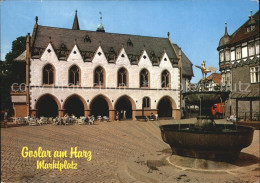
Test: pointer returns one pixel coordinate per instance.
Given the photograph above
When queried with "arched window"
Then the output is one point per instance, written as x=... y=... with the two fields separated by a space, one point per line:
x=165 y=79
x=144 y=78
x=146 y=102
x=74 y=75
x=122 y=77
x=48 y=75
x=99 y=77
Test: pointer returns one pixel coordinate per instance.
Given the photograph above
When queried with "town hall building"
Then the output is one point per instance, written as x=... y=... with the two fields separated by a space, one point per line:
x=85 y=72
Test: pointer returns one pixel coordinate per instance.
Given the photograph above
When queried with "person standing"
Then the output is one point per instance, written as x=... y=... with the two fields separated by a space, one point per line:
x=5 y=118
x=121 y=114
x=124 y=114
x=117 y=116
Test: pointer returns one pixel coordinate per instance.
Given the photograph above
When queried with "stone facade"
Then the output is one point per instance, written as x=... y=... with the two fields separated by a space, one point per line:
x=157 y=55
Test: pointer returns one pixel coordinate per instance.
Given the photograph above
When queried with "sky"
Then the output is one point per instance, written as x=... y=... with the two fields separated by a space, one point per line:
x=195 y=25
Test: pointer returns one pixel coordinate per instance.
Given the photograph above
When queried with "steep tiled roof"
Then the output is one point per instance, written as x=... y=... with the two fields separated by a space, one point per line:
x=187 y=69
x=216 y=77
x=241 y=33
x=88 y=41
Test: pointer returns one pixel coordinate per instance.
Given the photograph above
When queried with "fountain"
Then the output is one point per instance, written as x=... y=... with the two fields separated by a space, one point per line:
x=205 y=139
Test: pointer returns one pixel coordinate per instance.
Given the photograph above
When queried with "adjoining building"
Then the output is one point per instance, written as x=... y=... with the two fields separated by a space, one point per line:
x=85 y=72
x=213 y=82
x=239 y=67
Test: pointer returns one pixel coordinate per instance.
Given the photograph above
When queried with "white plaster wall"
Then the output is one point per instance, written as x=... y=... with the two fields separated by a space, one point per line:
x=87 y=68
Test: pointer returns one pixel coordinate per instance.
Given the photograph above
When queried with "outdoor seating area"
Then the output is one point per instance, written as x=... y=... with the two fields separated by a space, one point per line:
x=152 y=117
x=66 y=120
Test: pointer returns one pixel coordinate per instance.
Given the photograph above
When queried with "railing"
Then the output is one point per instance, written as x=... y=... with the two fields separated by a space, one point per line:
x=243 y=116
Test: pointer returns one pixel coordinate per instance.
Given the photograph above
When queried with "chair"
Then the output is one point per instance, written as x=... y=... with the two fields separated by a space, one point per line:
x=23 y=121
x=105 y=118
x=43 y=120
x=50 y=120
x=58 y=121
x=99 y=118
x=81 y=121
x=91 y=120
x=66 y=121
x=39 y=121
x=32 y=122
x=15 y=120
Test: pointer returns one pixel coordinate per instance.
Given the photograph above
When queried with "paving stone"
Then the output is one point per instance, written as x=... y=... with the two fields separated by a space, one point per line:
x=111 y=144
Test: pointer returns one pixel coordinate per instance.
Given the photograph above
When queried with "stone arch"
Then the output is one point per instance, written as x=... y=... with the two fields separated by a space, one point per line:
x=47 y=105
x=75 y=104
x=126 y=103
x=165 y=107
x=100 y=105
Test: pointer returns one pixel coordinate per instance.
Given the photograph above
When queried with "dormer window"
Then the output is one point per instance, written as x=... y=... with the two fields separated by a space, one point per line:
x=129 y=43
x=152 y=54
x=62 y=53
x=250 y=28
x=251 y=23
x=111 y=50
x=63 y=46
x=87 y=39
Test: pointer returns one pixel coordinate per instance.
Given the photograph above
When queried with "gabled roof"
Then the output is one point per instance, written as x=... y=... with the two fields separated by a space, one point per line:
x=21 y=58
x=68 y=37
x=241 y=33
x=187 y=69
x=215 y=77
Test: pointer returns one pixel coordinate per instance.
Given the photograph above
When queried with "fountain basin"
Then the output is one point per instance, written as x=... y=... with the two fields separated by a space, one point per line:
x=221 y=143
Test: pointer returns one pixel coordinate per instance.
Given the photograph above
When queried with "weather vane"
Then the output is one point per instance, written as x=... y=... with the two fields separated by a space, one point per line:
x=100 y=13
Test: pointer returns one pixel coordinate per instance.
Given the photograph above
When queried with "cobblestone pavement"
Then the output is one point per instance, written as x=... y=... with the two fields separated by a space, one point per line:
x=111 y=143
